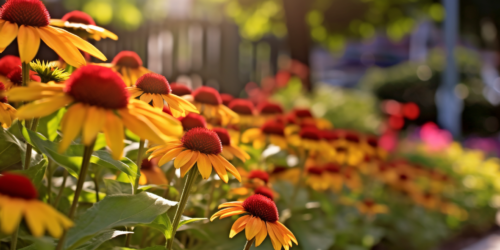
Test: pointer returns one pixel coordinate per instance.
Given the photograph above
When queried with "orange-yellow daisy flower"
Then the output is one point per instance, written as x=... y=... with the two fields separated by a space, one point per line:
x=226 y=98
x=370 y=208
x=82 y=25
x=100 y=102
x=8 y=64
x=15 y=78
x=261 y=220
x=154 y=88
x=250 y=180
x=29 y=21
x=180 y=89
x=268 y=110
x=129 y=65
x=316 y=178
x=310 y=139
x=192 y=120
x=229 y=149
x=18 y=200
x=333 y=174
x=271 y=132
x=245 y=110
x=7 y=112
x=151 y=173
x=199 y=146
x=208 y=101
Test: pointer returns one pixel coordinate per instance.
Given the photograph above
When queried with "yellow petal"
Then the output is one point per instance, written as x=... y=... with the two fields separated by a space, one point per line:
x=253 y=227
x=226 y=153
x=261 y=235
x=219 y=168
x=274 y=240
x=184 y=104
x=238 y=152
x=231 y=204
x=239 y=225
x=43 y=107
x=62 y=46
x=8 y=32
x=11 y=214
x=288 y=232
x=183 y=158
x=29 y=42
x=134 y=92
x=140 y=126
x=204 y=166
x=186 y=167
x=224 y=211
x=113 y=131
x=146 y=97
x=236 y=212
x=158 y=101
x=169 y=156
x=249 y=134
x=35 y=218
x=80 y=43
x=230 y=167
x=96 y=118
x=72 y=124
x=29 y=93
x=277 y=232
x=53 y=226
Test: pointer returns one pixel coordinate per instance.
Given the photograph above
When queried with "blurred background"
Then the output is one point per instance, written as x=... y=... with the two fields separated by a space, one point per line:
x=401 y=69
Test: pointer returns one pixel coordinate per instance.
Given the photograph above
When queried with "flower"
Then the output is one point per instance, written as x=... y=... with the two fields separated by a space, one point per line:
x=370 y=208
x=152 y=87
x=180 y=89
x=315 y=178
x=82 y=25
x=209 y=103
x=100 y=102
x=226 y=99
x=346 y=146
x=268 y=110
x=192 y=120
x=310 y=139
x=151 y=173
x=271 y=131
x=258 y=178
x=48 y=72
x=334 y=176
x=129 y=65
x=18 y=200
x=29 y=21
x=15 y=78
x=245 y=110
x=229 y=149
x=198 y=145
x=265 y=191
x=261 y=220
x=7 y=64
x=7 y=112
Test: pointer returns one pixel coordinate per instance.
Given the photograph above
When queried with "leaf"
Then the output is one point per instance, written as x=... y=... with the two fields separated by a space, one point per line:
x=48 y=125
x=100 y=238
x=35 y=173
x=115 y=211
x=162 y=223
x=114 y=187
x=10 y=149
x=186 y=220
x=104 y=159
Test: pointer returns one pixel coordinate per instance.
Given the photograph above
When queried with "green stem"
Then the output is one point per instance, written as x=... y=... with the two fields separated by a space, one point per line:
x=249 y=243
x=191 y=176
x=139 y=163
x=61 y=188
x=87 y=154
x=144 y=237
x=128 y=238
x=96 y=183
x=25 y=73
x=210 y=198
x=299 y=183
x=13 y=242
x=49 y=181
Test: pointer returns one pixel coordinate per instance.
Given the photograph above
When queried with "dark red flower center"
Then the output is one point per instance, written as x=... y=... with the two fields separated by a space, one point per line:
x=78 y=17
x=2 y=93
x=223 y=136
x=315 y=170
x=265 y=192
x=9 y=63
x=259 y=174
x=146 y=164
x=329 y=135
x=207 y=95
x=226 y=98
x=25 y=12
x=372 y=141
x=268 y=108
x=128 y=59
x=180 y=89
x=404 y=177
x=17 y=186
x=261 y=207
x=352 y=137
x=272 y=127
x=154 y=84
x=303 y=113
x=369 y=202
x=192 y=120
x=97 y=86
x=341 y=149
x=332 y=168
x=16 y=76
x=242 y=106
x=279 y=169
x=203 y=140
x=310 y=133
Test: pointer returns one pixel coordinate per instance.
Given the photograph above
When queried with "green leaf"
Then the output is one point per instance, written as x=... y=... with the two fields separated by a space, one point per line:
x=10 y=149
x=48 y=125
x=162 y=223
x=100 y=238
x=186 y=220
x=35 y=173
x=115 y=211
x=104 y=159
x=114 y=187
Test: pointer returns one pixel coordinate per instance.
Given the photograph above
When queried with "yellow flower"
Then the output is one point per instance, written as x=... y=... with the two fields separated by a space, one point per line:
x=261 y=220
x=370 y=208
x=152 y=87
x=334 y=176
x=29 y=21
x=310 y=139
x=316 y=179
x=209 y=103
x=271 y=132
x=245 y=110
x=129 y=65
x=151 y=173
x=7 y=112
x=99 y=102
x=18 y=200
x=229 y=149
x=199 y=146
x=81 y=24
x=7 y=64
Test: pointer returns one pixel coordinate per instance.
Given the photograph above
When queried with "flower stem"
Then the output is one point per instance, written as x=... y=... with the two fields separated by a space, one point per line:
x=299 y=183
x=87 y=154
x=13 y=242
x=25 y=73
x=191 y=176
x=210 y=197
x=61 y=188
x=49 y=181
x=249 y=243
x=139 y=162
x=96 y=183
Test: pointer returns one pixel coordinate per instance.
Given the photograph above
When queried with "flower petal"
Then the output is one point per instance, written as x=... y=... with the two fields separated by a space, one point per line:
x=261 y=236
x=186 y=167
x=253 y=227
x=72 y=124
x=158 y=101
x=81 y=44
x=28 y=40
x=94 y=122
x=219 y=168
x=274 y=240
x=229 y=167
x=114 y=133
x=11 y=214
x=43 y=107
x=239 y=225
x=146 y=97
x=169 y=156
x=62 y=46
x=140 y=126
x=204 y=166
x=183 y=158
x=8 y=33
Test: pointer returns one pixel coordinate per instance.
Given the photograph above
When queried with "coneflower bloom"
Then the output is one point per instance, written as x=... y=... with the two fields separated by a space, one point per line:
x=151 y=173
x=7 y=112
x=370 y=208
x=334 y=176
x=245 y=110
x=208 y=101
x=29 y=21
x=251 y=180
x=268 y=110
x=18 y=200
x=310 y=139
x=100 y=102
x=261 y=219
x=352 y=179
x=258 y=178
x=7 y=64
x=192 y=120
x=179 y=89
x=129 y=65
x=154 y=88
x=315 y=179
x=265 y=191
x=271 y=132
x=226 y=99
x=229 y=149
x=301 y=115
x=198 y=145
x=15 y=78
x=82 y=25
